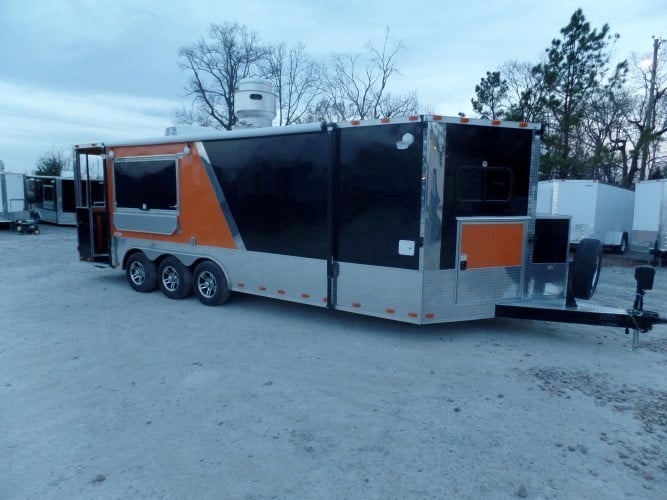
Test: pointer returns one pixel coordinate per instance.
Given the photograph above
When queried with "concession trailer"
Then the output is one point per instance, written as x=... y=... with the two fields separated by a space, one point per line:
x=422 y=219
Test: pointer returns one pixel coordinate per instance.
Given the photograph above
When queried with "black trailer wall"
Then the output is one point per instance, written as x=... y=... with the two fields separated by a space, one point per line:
x=379 y=191
x=351 y=195
x=276 y=188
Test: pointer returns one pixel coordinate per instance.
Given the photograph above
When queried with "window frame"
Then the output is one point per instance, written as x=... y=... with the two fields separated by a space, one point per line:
x=147 y=159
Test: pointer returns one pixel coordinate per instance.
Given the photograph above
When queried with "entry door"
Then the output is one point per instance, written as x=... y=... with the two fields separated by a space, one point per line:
x=376 y=219
x=92 y=216
x=490 y=259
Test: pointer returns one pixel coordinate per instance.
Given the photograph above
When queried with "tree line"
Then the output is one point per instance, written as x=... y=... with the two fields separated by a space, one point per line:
x=601 y=121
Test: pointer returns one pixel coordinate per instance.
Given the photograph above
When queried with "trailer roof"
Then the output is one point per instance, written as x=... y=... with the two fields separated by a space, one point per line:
x=297 y=129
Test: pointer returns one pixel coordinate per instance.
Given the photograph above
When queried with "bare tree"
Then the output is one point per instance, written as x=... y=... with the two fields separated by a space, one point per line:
x=636 y=137
x=650 y=124
x=401 y=105
x=524 y=92
x=296 y=79
x=356 y=85
x=602 y=132
x=217 y=64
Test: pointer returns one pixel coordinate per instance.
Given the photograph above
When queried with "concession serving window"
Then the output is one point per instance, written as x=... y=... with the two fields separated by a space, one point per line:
x=146 y=194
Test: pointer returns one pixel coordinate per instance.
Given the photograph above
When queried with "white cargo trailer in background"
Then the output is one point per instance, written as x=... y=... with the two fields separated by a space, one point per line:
x=12 y=195
x=649 y=229
x=598 y=210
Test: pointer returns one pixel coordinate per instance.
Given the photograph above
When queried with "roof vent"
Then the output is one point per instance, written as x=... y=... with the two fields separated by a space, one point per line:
x=255 y=103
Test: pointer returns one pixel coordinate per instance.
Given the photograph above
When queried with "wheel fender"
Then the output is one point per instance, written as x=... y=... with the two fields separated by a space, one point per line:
x=613 y=238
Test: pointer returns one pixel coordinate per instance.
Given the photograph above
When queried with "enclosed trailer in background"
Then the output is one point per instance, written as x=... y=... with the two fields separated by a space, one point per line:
x=12 y=195
x=649 y=230
x=53 y=198
x=13 y=203
x=598 y=210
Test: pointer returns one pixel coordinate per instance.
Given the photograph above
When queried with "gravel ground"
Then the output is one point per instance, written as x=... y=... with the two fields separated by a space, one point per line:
x=106 y=393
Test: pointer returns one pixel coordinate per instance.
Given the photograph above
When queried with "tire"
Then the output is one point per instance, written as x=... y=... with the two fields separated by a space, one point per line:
x=209 y=284
x=585 y=270
x=141 y=273
x=174 y=279
x=623 y=247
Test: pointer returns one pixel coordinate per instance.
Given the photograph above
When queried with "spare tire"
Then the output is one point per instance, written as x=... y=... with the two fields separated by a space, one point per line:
x=585 y=270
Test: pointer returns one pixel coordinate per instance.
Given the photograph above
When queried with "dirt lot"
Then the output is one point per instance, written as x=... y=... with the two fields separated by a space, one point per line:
x=107 y=393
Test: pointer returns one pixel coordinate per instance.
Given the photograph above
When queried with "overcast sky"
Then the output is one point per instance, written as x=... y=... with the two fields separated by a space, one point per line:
x=80 y=71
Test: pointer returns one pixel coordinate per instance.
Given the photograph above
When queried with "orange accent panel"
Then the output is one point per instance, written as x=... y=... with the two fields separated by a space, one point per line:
x=200 y=213
x=492 y=245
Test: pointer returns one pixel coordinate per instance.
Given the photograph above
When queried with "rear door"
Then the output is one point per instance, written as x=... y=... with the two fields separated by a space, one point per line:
x=485 y=223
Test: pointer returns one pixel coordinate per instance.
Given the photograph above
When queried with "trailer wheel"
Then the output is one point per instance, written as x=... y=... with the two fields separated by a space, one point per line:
x=210 y=284
x=585 y=270
x=141 y=272
x=623 y=247
x=174 y=278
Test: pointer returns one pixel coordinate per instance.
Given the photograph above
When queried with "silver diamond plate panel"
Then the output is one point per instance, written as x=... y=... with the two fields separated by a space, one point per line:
x=477 y=286
x=439 y=300
x=545 y=280
x=380 y=291
x=535 y=155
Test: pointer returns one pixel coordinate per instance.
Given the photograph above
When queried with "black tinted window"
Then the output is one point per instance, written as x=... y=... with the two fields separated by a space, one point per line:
x=484 y=184
x=146 y=184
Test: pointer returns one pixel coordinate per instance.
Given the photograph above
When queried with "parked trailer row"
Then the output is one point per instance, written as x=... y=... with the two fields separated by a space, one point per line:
x=618 y=217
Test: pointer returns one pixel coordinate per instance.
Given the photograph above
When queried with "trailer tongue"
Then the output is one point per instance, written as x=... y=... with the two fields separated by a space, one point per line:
x=635 y=318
